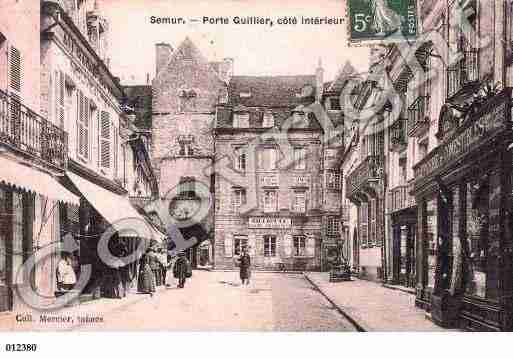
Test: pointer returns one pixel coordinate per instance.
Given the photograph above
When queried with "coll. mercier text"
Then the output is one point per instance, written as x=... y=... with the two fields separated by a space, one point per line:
x=248 y=20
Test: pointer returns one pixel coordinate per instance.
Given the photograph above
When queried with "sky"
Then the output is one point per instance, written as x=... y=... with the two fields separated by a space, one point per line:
x=256 y=49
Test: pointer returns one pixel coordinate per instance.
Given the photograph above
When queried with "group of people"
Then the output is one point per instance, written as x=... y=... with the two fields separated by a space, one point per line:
x=150 y=274
x=147 y=283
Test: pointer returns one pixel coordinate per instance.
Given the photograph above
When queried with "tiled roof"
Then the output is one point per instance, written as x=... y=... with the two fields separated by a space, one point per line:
x=140 y=99
x=269 y=91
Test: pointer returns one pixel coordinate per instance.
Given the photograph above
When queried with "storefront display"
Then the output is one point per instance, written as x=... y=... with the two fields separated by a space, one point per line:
x=464 y=190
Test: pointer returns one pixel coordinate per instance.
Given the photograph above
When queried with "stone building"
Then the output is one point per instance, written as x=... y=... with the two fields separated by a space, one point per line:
x=447 y=165
x=68 y=151
x=217 y=137
x=33 y=156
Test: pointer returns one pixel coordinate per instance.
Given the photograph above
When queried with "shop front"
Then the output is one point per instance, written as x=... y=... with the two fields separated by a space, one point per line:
x=465 y=239
x=102 y=212
x=274 y=243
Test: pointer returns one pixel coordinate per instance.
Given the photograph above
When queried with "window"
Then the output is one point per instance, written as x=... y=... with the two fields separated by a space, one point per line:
x=270 y=201
x=373 y=223
x=333 y=226
x=333 y=180
x=267 y=159
x=299 y=204
x=334 y=103
x=240 y=160
x=185 y=144
x=187 y=187
x=83 y=126
x=269 y=246
x=238 y=199
x=299 y=246
x=105 y=140
x=239 y=242
x=268 y=120
x=299 y=158
x=241 y=120
x=364 y=220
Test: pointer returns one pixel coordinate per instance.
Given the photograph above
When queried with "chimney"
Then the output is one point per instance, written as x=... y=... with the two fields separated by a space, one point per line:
x=147 y=78
x=319 y=81
x=163 y=54
x=226 y=69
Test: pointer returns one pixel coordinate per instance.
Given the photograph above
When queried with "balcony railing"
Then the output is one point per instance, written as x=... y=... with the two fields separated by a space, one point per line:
x=28 y=132
x=463 y=72
x=417 y=116
x=369 y=169
x=398 y=135
x=400 y=198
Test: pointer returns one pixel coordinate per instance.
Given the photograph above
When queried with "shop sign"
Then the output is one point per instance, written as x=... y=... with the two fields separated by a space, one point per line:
x=269 y=222
x=269 y=181
x=480 y=129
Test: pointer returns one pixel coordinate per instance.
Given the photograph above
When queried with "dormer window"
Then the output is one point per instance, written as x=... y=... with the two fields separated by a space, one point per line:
x=241 y=120
x=268 y=120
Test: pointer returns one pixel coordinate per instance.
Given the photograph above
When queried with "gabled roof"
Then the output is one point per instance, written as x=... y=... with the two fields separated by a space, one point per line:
x=269 y=91
x=188 y=51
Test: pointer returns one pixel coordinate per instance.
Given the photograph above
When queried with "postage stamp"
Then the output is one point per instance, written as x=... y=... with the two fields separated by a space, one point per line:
x=382 y=20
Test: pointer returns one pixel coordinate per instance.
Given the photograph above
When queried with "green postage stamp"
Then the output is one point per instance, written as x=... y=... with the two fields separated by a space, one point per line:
x=382 y=20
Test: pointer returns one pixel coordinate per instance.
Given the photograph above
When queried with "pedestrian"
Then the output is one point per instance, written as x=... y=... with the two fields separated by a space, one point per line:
x=66 y=277
x=146 y=283
x=182 y=269
x=245 y=266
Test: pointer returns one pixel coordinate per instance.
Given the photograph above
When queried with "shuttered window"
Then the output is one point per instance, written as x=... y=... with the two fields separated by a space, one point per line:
x=105 y=140
x=116 y=149
x=83 y=115
x=59 y=115
x=15 y=69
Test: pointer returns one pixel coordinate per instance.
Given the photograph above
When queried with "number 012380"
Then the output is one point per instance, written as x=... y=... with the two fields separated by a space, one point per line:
x=20 y=347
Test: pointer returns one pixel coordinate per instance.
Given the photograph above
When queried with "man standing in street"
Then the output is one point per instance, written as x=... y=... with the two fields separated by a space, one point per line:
x=245 y=266
x=182 y=270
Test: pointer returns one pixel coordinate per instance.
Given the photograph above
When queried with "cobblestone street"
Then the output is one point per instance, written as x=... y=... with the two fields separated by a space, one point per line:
x=211 y=301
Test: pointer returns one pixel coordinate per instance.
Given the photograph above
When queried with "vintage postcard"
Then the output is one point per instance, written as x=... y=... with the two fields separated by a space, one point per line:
x=238 y=166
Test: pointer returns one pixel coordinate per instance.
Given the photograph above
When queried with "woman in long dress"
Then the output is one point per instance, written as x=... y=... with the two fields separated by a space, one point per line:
x=385 y=20
x=146 y=277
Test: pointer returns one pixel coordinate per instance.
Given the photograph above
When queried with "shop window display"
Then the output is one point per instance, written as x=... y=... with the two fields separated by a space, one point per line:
x=483 y=231
x=432 y=243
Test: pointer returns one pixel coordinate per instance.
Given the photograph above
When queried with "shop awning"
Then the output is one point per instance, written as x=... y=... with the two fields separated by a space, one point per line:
x=117 y=210
x=32 y=180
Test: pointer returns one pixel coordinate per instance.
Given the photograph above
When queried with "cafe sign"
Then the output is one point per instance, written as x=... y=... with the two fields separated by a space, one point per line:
x=269 y=222
x=486 y=123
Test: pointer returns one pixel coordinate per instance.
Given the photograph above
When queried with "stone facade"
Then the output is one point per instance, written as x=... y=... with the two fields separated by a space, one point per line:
x=203 y=115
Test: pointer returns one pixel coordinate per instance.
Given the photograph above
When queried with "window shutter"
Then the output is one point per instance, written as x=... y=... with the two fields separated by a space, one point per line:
x=228 y=245
x=252 y=244
x=116 y=144
x=60 y=113
x=260 y=245
x=82 y=125
x=310 y=245
x=287 y=245
x=15 y=69
x=105 y=139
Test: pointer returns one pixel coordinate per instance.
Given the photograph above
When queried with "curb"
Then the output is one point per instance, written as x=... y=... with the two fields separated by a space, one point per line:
x=339 y=309
x=404 y=290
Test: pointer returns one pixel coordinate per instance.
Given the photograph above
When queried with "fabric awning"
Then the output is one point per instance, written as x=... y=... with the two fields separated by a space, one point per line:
x=117 y=210
x=32 y=180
